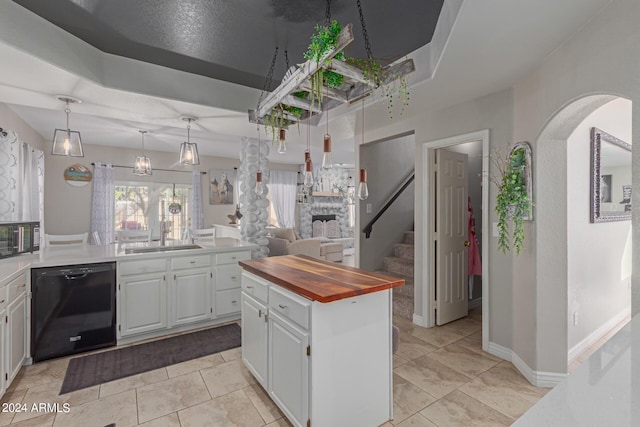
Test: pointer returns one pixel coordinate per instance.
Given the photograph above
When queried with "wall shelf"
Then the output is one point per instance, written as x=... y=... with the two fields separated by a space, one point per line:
x=325 y=194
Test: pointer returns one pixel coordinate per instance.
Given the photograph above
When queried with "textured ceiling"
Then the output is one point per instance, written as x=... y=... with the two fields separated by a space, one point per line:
x=234 y=40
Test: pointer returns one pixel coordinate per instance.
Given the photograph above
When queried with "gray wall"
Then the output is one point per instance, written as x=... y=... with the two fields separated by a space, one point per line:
x=388 y=163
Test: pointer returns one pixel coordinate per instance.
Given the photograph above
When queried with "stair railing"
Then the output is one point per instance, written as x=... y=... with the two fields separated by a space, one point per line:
x=403 y=186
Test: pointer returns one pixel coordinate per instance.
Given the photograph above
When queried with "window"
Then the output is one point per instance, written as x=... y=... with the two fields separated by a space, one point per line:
x=138 y=207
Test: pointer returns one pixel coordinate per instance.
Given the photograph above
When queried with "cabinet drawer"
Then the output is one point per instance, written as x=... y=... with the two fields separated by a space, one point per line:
x=255 y=286
x=289 y=305
x=138 y=267
x=190 y=261
x=232 y=257
x=4 y=300
x=227 y=302
x=228 y=277
x=15 y=288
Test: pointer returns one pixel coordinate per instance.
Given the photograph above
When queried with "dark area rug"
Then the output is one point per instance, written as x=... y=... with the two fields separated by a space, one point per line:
x=111 y=365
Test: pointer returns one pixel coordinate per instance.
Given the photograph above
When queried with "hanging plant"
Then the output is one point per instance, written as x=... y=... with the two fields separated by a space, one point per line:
x=513 y=201
x=322 y=41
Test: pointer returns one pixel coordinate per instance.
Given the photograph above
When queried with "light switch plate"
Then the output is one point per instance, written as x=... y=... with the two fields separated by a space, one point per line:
x=369 y=208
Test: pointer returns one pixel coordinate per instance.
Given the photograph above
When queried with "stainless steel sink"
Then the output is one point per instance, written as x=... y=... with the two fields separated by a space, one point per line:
x=159 y=249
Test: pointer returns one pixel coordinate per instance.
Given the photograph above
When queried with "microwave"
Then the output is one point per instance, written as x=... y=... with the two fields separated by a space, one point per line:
x=19 y=238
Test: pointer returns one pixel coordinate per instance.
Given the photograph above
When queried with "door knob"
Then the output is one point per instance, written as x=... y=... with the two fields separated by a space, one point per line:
x=466 y=243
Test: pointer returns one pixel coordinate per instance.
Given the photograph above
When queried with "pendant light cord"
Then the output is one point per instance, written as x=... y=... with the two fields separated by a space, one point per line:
x=365 y=35
x=67 y=111
x=327 y=14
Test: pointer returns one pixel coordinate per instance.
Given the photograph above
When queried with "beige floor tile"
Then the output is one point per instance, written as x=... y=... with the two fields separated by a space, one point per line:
x=475 y=314
x=10 y=397
x=474 y=342
x=40 y=373
x=417 y=420
x=194 y=365
x=233 y=354
x=263 y=403
x=134 y=381
x=228 y=377
x=231 y=410
x=437 y=336
x=119 y=409
x=503 y=388
x=398 y=361
x=165 y=397
x=170 y=420
x=459 y=410
x=463 y=359
x=431 y=376
x=282 y=422
x=41 y=421
x=411 y=347
x=463 y=326
x=405 y=325
x=48 y=393
x=408 y=399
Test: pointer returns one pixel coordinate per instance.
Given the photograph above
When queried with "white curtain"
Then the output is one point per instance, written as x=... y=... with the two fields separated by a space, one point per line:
x=197 y=220
x=10 y=148
x=283 y=186
x=103 y=202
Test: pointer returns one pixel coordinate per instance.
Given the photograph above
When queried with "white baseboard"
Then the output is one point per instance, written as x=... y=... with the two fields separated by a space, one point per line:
x=596 y=335
x=536 y=378
x=419 y=320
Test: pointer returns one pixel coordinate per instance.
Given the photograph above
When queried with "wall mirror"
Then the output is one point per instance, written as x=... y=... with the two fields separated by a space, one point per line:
x=610 y=178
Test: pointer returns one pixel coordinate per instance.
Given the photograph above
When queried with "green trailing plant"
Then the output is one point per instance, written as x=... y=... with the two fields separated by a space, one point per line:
x=512 y=202
x=322 y=41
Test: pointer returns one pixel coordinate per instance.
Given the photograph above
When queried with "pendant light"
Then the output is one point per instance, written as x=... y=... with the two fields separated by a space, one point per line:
x=363 y=189
x=308 y=165
x=142 y=166
x=326 y=156
x=282 y=143
x=67 y=142
x=188 y=150
x=259 y=185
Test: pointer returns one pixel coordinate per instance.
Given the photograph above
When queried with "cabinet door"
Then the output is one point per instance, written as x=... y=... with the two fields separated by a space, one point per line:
x=254 y=338
x=16 y=336
x=191 y=296
x=3 y=357
x=227 y=277
x=289 y=369
x=143 y=303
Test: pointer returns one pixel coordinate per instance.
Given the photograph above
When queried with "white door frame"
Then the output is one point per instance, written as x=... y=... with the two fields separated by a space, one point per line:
x=427 y=248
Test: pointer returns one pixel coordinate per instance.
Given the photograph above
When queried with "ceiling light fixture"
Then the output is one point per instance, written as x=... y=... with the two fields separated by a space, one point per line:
x=259 y=184
x=282 y=143
x=363 y=189
x=326 y=156
x=67 y=142
x=308 y=164
x=188 y=150
x=142 y=166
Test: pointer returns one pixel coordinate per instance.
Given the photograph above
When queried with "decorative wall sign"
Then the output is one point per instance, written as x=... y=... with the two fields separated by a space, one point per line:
x=221 y=184
x=78 y=175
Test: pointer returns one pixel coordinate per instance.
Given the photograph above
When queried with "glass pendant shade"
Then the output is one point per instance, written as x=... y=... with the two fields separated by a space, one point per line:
x=189 y=154
x=363 y=190
x=259 y=184
x=282 y=143
x=67 y=142
x=142 y=165
x=326 y=156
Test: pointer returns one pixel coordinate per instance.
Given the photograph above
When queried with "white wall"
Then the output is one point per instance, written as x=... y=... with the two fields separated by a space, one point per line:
x=11 y=121
x=596 y=291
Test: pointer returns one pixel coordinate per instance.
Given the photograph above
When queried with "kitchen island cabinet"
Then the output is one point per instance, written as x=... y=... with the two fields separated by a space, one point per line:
x=324 y=356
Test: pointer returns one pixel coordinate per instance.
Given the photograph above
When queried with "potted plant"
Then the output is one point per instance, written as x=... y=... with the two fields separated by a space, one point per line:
x=513 y=201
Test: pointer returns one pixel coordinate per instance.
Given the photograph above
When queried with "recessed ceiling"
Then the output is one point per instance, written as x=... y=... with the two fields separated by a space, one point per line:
x=234 y=40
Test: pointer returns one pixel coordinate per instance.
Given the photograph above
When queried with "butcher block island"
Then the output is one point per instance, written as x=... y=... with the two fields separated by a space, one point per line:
x=317 y=336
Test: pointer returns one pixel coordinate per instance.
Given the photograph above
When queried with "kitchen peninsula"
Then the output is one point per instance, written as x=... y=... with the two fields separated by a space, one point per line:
x=317 y=336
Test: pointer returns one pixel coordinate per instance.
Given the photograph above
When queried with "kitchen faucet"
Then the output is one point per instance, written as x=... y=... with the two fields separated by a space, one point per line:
x=163 y=225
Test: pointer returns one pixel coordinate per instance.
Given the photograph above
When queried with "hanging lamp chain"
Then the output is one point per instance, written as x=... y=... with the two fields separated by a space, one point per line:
x=286 y=59
x=267 y=82
x=327 y=14
x=365 y=36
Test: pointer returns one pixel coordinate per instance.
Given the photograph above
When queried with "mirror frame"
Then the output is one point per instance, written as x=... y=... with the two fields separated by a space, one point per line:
x=597 y=137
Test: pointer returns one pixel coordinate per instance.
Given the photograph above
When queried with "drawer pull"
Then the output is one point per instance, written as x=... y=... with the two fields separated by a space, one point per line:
x=234 y=302
x=192 y=262
x=233 y=257
x=249 y=287
x=284 y=307
x=1 y=301
x=233 y=277
x=23 y=285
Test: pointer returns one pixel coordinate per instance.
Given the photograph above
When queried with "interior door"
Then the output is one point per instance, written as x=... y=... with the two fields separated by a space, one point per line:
x=451 y=236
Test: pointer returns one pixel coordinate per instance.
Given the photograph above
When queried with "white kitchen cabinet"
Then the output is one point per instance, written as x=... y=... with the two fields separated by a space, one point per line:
x=191 y=296
x=16 y=327
x=225 y=295
x=328 y=364
x=255 y=328
x=143 y=303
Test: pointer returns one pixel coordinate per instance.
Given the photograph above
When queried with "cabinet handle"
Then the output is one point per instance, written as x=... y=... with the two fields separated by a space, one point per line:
x=249 y=287
x=233 y=277
x=23 y=285
x=284 y=307
x=1 y=301
x=234 y=302
x=259 y=313
x=192 y=262
x=233 y=257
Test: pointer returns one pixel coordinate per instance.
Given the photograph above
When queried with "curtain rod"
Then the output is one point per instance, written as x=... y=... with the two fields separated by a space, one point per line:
x=155 y=169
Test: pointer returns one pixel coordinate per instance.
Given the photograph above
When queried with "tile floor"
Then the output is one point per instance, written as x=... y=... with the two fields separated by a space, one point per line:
x=441 y=378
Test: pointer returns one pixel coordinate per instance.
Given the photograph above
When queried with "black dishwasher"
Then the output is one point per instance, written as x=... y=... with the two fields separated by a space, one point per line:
x=73 y=309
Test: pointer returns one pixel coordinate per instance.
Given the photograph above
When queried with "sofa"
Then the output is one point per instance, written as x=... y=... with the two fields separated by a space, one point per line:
x=285 y=241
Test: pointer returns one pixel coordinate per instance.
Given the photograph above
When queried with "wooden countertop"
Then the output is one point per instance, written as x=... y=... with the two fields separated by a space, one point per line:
x=317 y=279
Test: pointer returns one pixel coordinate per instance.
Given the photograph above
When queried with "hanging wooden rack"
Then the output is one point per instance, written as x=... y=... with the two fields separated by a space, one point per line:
x=355 y=86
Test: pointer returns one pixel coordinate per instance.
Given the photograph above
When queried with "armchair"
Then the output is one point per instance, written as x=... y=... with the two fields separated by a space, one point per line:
x=284 y=242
